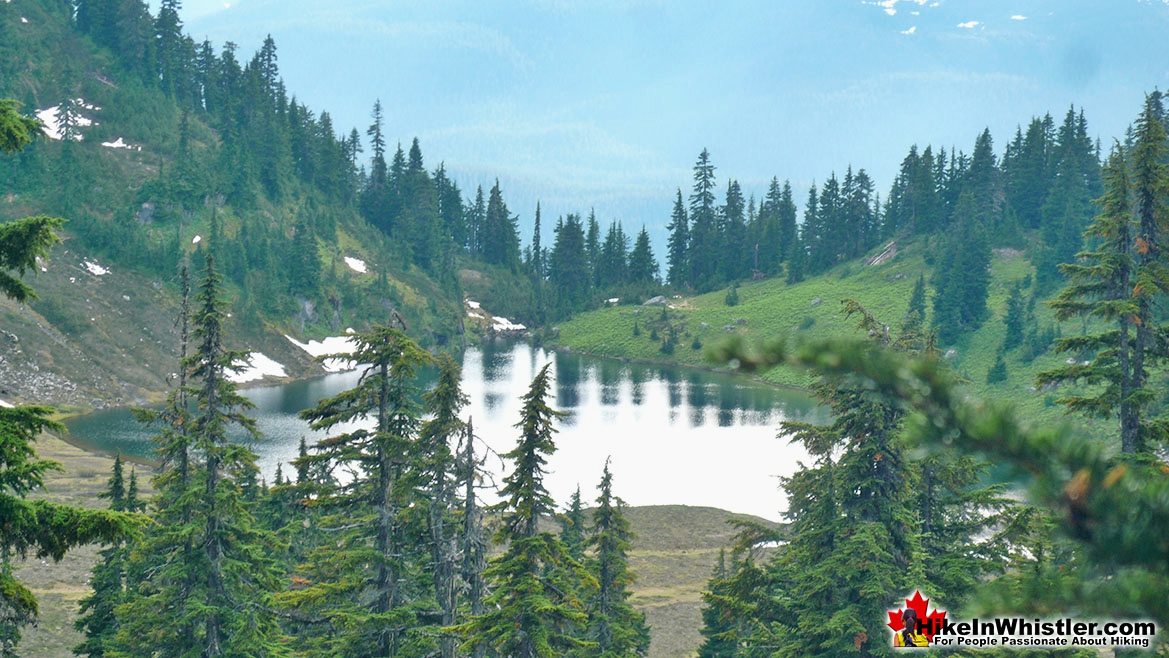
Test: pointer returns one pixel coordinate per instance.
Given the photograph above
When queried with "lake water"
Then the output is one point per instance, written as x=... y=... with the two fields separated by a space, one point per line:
x=675 y=435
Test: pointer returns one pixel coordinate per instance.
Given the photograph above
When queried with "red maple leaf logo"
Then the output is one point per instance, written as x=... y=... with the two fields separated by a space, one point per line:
x=931 y=622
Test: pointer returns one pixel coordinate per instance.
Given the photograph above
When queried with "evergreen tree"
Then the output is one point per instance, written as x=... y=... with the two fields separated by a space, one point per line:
x=734 y=260
x=613 y=266
x=365 y=580
x=472 y=542
x=501 y=242
x=533 y=610
x=1015 y=318
x=643 y=267
x=702 y=257
x=438 y=481
x=617 y=628
x=206 y=552
x=915 y=314
x=568 y=268
x=678 y=274
x=108 y=580
x=1101 y=285
x=593 y=249
x=38 y=527
x=572 y=527
x=962 y=279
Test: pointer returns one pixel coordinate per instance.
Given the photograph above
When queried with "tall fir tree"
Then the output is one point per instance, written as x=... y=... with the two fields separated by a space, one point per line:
x=533 y=610
x=678 y=270
x=618 y=629
x=366 y=580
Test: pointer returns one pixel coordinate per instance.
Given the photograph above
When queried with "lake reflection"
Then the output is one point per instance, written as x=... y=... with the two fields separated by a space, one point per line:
x=675 y=435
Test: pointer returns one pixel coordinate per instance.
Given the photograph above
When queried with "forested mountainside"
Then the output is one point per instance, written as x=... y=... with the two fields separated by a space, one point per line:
x=156 y=146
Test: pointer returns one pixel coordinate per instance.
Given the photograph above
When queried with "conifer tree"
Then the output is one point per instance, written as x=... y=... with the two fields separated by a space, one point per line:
x=572 y=527
x=365 y=580
x=568 y=267
x=437 y=480
x=1103 y=284
x=39 y=527
x=678 y=274
x=1015 y=318
x=108 y=580
x=643 y=267
x=472 y=542
x=533 y=610
x=618 y=629
x=701 y=254
x=206 y=552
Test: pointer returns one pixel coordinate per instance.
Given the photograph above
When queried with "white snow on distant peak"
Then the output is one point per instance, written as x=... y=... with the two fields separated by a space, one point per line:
x=968 y=25
x=356 y=264
x=197 y=239
x=1018 y=17
x=255 y=366
x=120 y=143
x=94 y=268
x=912 y=30
x=330 y=345
x=2 y=402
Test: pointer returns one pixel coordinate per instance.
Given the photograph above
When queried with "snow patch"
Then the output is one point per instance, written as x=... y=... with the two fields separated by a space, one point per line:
x=356 y=264
x=23 y=19
x=473 y=304
x=503 y=324
x=5 y=405
x=52 y=119
x=255 y=366
x=197 y=239
x=120 y=143
x=613 y=300
x=969 y=25
x=330 y=345
x=94 y=268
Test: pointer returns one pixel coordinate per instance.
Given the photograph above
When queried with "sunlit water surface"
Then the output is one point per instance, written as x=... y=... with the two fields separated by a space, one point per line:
x=675 y=435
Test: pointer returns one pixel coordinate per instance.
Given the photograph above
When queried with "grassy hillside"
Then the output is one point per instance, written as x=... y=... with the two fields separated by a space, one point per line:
x=812 y=308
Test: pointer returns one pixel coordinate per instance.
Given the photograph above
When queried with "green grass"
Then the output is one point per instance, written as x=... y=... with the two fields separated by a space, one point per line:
x=813 y=309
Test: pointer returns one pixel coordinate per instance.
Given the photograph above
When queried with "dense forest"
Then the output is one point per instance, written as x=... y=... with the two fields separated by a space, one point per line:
x=376 y=541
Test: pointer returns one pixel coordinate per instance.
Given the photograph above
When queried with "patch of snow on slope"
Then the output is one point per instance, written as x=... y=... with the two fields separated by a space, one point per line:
x=5 y=404
x=95 y=269
x=197 y=239
x=51 y=118
x=356 y=264
x=330 y=345
x=255 y=366
x=503 y=324
x=120 y=143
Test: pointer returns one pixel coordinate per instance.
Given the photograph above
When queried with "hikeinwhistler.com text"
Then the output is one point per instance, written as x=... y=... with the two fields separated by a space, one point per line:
x=1008 y=632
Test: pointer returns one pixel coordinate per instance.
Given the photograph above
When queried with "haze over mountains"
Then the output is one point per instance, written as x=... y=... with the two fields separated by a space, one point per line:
x=580 y=104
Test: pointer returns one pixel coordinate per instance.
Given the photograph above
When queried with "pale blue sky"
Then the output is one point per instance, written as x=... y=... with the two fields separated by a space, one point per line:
x=607 y=103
